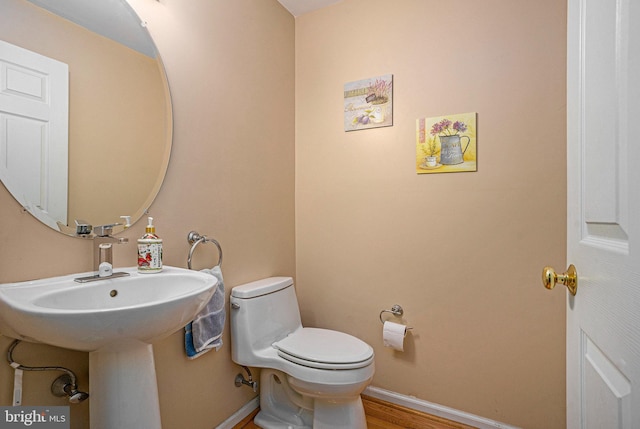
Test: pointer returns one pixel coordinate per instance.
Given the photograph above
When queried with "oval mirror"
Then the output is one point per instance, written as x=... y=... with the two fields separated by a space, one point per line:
x=111 y=158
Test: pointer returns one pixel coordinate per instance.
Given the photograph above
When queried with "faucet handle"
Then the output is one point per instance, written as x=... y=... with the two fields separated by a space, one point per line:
x=83 y=227
x=105 y=230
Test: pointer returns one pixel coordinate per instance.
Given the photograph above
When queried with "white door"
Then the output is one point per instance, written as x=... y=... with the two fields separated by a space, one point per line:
x=34 y=136
x=603 y=237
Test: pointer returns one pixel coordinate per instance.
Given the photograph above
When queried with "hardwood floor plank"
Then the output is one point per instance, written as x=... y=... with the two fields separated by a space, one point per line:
x=384 y=415
x=407 y=418
x=376 y=423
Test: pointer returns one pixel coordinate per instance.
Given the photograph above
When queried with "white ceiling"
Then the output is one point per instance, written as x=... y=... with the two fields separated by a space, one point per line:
x=300 y=7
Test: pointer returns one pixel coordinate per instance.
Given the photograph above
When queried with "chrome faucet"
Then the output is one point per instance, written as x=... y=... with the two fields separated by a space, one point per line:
x=102 y=244
x=103 y=253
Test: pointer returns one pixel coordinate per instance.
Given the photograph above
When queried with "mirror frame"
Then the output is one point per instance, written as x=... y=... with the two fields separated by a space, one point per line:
x=164 y=153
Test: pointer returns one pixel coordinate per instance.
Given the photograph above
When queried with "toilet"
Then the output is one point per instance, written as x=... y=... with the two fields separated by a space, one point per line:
x=310 y=377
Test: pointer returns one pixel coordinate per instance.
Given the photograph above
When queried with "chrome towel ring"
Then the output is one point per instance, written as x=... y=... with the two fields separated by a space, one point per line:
x=194 y=239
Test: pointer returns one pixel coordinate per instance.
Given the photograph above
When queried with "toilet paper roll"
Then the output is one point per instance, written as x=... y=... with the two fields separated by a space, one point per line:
x=393 y=335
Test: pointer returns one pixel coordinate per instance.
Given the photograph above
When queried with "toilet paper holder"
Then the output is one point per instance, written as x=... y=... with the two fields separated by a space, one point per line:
x=396 y=310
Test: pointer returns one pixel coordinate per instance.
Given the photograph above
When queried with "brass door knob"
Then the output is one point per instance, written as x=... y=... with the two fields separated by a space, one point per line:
x=569 y=279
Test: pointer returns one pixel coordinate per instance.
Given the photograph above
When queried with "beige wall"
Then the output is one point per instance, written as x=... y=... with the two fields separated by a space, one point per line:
x=231 y=70
x=462 y=252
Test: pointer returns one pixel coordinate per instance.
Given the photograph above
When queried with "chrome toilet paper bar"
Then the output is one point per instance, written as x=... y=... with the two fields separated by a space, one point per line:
x=396 y=310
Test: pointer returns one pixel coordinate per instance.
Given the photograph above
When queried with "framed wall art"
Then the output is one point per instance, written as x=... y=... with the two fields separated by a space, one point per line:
x=368 y=103
x=446 y=144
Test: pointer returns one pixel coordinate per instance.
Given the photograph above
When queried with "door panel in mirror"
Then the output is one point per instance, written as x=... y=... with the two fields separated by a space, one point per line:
x=34 y=132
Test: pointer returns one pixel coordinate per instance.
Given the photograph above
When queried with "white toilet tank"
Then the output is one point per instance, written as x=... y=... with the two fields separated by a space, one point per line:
x=262 y=312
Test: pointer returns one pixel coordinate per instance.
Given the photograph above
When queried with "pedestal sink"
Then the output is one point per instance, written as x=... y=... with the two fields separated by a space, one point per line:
x=116 y=321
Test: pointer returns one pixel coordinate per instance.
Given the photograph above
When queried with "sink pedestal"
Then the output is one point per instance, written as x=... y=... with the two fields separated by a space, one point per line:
x=123 y=387
x=115 y=320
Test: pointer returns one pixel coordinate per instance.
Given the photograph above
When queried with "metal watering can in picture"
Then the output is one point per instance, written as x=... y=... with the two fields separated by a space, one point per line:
x=451 y=149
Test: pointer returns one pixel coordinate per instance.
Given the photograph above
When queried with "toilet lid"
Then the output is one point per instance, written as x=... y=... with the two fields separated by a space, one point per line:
x=325 y=349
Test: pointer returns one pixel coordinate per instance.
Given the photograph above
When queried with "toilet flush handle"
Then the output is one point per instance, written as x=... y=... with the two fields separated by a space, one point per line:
x=235 y=306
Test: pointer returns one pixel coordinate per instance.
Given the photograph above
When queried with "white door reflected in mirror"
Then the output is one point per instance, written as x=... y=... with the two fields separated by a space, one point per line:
x=34 y=131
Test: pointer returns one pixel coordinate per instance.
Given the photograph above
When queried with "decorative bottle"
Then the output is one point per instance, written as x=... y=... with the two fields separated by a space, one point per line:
x=150 y=250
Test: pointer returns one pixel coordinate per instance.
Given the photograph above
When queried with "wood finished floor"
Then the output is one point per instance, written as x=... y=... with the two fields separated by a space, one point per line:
x=383 y=415
x=372 y=423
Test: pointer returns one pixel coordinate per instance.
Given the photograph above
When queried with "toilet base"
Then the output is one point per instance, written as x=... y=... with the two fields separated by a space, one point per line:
x=339 y=415
x=282 y=407
x=266 y=421
x=325 y=416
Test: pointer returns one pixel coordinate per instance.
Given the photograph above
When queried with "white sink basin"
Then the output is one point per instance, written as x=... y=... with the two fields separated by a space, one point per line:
x=116 y=320
x=89 y=316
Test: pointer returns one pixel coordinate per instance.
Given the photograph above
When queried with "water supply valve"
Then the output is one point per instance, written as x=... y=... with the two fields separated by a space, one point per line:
x=240 y=380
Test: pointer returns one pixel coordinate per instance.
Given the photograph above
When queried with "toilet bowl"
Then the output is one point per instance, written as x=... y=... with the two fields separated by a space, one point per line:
x=311 y=377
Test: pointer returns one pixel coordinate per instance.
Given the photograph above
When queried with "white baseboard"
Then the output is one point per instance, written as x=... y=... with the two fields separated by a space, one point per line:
x=434 y=409
x=394 y=398
x=243 y=412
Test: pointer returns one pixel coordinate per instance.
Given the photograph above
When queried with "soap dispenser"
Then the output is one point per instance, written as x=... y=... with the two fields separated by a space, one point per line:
x=127 y=221
x=150 y=250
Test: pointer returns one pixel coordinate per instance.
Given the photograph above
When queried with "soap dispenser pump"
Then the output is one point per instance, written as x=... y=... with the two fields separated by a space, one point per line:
x=150 y=250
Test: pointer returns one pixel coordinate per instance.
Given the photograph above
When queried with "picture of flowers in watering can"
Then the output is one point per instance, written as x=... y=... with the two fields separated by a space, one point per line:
x=446 y=144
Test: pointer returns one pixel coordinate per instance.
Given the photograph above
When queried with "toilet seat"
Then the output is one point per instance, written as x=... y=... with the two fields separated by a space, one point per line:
x=324 y=349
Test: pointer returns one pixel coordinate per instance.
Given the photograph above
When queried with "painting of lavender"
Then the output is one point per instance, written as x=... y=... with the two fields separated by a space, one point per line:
x=446 y=144
x=368 y=103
